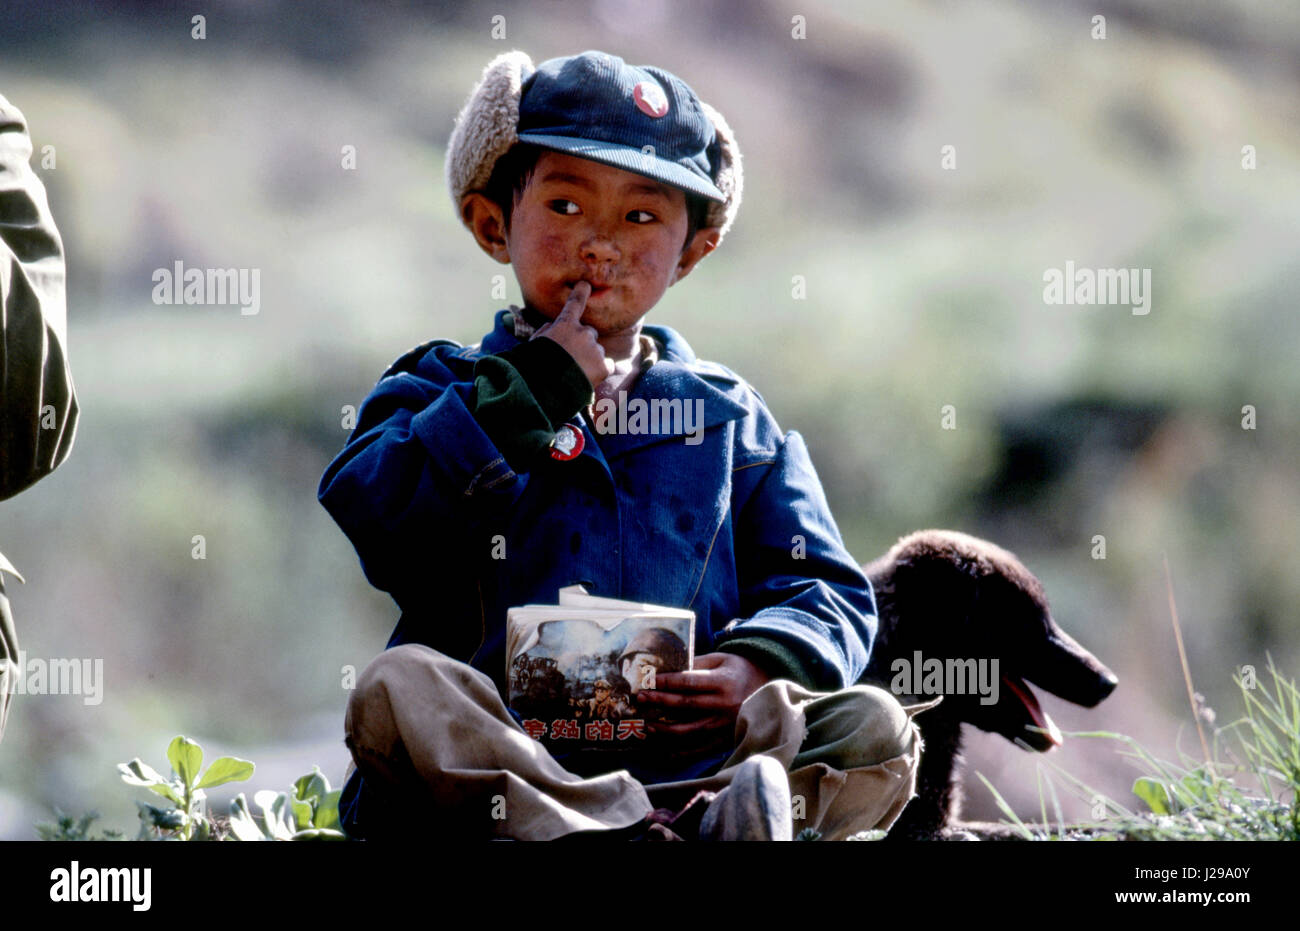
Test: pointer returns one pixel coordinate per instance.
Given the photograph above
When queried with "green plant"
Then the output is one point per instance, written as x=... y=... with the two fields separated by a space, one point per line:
x=186 y=818
x=65 y=827
x=310 y=813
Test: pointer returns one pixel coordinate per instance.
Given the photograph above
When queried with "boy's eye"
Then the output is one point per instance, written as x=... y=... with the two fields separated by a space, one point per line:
x=567 y=207
x=641 y=216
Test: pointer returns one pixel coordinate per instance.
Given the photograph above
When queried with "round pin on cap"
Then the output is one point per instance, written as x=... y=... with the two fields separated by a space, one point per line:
x=650 y=99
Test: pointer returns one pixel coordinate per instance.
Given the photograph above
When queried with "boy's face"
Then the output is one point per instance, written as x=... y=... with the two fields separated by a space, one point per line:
x=620 y=231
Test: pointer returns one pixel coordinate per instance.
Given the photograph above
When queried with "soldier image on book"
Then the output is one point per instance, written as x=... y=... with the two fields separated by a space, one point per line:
x=652 y=651
x=608 y=704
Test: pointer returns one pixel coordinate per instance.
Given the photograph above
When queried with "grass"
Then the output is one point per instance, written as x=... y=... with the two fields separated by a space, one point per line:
x=1197 y=799
x=1247 y=787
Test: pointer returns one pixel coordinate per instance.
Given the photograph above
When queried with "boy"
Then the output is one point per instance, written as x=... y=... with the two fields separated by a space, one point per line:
x=483 y=477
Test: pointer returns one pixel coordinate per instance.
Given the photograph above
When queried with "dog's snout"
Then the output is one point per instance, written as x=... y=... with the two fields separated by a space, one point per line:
x=1066 y=669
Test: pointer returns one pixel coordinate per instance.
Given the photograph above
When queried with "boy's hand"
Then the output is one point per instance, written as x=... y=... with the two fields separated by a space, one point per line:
x=714 y=689
x=578 y=340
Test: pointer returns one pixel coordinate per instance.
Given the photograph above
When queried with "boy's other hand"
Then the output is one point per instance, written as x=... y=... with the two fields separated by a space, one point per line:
x=710 y=694
x=578 y=340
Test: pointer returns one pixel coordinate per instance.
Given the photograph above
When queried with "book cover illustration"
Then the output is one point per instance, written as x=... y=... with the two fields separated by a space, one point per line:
x=574 y=669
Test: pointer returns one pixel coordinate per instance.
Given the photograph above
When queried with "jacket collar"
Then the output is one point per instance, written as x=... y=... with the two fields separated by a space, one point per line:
x=677 y=374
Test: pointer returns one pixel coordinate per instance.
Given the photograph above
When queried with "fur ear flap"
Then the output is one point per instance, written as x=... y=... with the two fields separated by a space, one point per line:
x=487 y=125
x=730 y=177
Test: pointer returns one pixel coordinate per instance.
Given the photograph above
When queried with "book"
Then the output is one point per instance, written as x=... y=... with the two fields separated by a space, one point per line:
x=574 y=669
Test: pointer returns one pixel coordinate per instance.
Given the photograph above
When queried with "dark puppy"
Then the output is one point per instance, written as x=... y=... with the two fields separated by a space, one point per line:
x=950 y=596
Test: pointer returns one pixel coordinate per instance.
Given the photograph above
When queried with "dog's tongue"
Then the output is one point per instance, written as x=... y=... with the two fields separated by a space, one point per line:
x=1050 y=735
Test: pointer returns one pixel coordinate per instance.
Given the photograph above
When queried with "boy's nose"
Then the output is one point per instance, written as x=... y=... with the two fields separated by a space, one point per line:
x=600 y=247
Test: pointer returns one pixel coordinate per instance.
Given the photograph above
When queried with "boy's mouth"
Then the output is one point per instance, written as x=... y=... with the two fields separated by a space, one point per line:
x=596 y=289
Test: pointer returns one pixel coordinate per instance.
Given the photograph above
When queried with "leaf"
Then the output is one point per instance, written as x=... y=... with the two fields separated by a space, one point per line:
x=327 y=810
x=319 y=834
x=168 y=791
x=242 y=823
x=226 y=769
x=275 y=813
x=301 y=814
x=186 y=758
x=170 y=819
x=311 y=786
x=265 y=798
x=139 y=773
x=1197 y=784
x=1153 y=793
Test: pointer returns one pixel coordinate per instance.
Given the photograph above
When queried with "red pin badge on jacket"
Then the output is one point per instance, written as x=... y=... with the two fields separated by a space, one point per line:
x=568 y=443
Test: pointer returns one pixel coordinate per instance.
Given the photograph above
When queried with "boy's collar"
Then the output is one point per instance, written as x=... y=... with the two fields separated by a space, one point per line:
x=678 y=373
x=524 y=322
x=513 y=326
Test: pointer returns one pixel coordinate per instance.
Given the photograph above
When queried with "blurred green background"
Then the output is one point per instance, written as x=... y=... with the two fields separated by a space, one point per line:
x=924 y=288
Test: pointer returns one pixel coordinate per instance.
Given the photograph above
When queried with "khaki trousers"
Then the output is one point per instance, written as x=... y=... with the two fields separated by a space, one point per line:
x=432 y=735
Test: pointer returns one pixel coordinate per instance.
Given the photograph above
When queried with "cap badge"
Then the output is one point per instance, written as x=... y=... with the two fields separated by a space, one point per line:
x=650 y=99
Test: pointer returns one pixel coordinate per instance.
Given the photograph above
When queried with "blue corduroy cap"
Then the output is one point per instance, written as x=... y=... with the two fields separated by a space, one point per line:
x=639 y=118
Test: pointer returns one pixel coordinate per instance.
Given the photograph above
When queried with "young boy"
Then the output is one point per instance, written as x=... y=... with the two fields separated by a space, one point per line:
x=485 y=477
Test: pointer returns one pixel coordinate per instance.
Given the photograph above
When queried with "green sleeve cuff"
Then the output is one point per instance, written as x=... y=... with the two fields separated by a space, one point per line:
x=773 y=658
x=523 y=395
x=557 y=382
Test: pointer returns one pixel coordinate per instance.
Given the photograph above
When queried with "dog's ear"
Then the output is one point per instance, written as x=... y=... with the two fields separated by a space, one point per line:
x=933 y=595
x=926 y=589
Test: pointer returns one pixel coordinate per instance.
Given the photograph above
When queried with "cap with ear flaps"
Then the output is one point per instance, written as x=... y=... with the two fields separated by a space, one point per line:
x=595 y=106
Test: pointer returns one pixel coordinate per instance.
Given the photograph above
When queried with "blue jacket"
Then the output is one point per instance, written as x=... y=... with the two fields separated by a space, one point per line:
x=734 y=526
